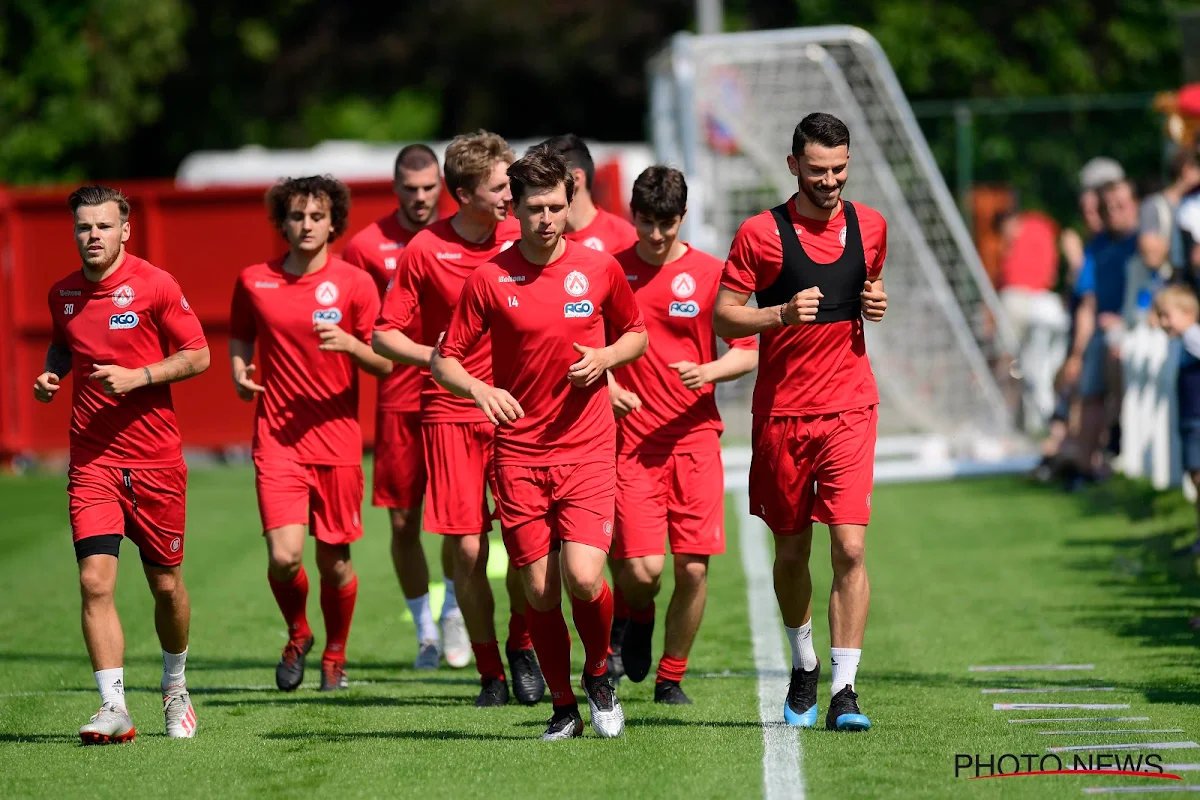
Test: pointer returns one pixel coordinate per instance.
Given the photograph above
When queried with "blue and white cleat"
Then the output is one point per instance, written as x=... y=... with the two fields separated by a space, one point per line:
x=800 y=706
x=844 y=714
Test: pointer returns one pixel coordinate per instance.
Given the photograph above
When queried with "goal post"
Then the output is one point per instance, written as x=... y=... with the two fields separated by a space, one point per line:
x=723 y=108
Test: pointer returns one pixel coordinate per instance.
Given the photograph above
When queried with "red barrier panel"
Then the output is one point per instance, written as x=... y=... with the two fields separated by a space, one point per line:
x=203 y=237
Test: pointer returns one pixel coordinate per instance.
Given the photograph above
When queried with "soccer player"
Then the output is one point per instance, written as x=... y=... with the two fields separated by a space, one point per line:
x=588 y=224
x=670 y=480
x=399 y=483
x=115 y=322
x=457 y=436
x=310 y=315
x=814 y=265
x=556 y=436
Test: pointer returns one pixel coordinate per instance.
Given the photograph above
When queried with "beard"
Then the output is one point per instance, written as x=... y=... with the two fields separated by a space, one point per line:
x=415 y=216
x=822 y=201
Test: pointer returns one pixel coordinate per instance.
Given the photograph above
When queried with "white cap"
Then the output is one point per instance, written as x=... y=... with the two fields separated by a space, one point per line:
x=1099 y=171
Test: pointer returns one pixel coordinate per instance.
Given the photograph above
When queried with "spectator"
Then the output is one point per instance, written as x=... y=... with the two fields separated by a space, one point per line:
x=1178 y=312
x=1160 y=239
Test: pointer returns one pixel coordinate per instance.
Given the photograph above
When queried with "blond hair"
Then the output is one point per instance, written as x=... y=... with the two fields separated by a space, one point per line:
x=1179 y=295
x=470 y=158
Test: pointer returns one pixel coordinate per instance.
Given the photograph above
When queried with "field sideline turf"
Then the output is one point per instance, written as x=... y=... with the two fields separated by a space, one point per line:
x=978 y=572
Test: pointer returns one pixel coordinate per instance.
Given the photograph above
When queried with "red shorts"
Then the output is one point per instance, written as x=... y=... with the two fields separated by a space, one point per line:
x=679 y=496
x=459 y=458
x=328 y=499
x=399 y=460
x=543 y=506
x=147 y=505
x=813 y=469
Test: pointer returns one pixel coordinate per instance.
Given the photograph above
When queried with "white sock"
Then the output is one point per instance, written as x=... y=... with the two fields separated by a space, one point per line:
x=450 y=604
x=803 y=655
x=422 y=614
x=173 y=669
x=111 y=683
x=845 y=667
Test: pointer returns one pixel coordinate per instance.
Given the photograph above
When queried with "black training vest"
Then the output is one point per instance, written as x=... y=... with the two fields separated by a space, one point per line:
x=840 y=281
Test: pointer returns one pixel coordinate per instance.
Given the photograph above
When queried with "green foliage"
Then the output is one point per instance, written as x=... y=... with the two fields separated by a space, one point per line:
x=407 y=115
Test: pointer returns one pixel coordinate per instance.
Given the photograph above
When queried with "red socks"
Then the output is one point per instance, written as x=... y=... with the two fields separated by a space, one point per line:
x=337 y=606
x=621 y=609
x=644 y=616
x=487 y=660
x=671 y=668
x=593 y=620
x=292 y=597
x=518 y=633
x=552 y=643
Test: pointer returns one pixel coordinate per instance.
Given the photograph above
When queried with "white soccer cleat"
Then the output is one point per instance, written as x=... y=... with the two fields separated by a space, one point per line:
x=608 y=717
x=456 y=644
x=181 y=717
x=428 y=657
x=110 y=725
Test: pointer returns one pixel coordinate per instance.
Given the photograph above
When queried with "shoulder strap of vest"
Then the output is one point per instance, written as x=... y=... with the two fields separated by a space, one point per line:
x=787 y=232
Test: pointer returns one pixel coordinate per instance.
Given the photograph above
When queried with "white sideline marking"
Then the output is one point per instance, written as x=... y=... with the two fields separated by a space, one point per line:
x=1108 y=733
x=1076 y=748
x=1050 y=690
x=1032 y=668
x=1080 y=719
x=1181 y=767
x=1033 y=706
x=781 y=742
x=1140 y=789
x=197 y=690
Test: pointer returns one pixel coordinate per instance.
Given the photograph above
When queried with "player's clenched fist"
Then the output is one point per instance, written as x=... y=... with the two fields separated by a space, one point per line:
x=874 y=301
x=334 y=339
x=802 y=307
x=500 y=407
x=623 y=401
x=588 y=369
x=45 y=386
x=117 y=381
x=693 y=375
x=246 y=388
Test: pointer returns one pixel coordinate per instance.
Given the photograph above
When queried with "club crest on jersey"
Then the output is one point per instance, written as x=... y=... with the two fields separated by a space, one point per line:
x=576 y=284
x=683 y=286
x=686 y=308
x=327 y=293
x=842 y=237
x=123 y=296
x=594 y=243
x=123 y=321
x=330 y=315
x=184 y=303
x=582 y=308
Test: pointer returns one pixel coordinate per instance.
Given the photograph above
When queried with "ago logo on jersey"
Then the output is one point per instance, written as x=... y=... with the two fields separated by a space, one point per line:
x=123 y=321
x=330 y=315
x=580 y=308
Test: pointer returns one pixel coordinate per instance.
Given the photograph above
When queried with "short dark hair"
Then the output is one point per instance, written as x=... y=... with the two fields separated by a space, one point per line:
x=819 y=128
x=660 y=193
x=279 y=199
x=576 y=153
x=414 y=157
x=95 y=195
x=539 y=169
x=1182 y=158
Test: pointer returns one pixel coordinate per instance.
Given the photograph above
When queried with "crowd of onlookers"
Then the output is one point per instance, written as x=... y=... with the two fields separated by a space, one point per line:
x=1136 y=262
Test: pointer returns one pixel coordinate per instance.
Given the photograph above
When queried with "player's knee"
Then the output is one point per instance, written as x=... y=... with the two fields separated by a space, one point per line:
x=470 y=553
x=848 y=556
x=583 y=581
x=285 y=562
x=164 y=583
x=792 y=558
x=691 y=571
x=95 y=585
x=406 y=528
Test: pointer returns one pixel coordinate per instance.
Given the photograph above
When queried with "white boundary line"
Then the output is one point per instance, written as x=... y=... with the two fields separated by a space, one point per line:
x=1038 y=706
x=1050 y=690
x=782 y=777
x=1032 y=668
x=1080 y=748
x=1079 y=719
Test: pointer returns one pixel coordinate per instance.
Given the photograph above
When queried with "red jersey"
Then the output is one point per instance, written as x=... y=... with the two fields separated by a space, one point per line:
x=677 y=302
x=433 y=268
x=376 y=248
x=807 y=369
x=309 y=411
x=132 y=319
x=606 y=232
x=535 y=313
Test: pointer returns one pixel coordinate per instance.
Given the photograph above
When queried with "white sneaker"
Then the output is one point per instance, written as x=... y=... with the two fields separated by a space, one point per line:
x=181 y=717
x=455 y=642
x=428 y=657
x=110 y=725
x=608 y=717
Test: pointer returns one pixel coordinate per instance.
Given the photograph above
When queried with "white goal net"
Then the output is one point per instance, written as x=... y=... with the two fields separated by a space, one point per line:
x=723 y=108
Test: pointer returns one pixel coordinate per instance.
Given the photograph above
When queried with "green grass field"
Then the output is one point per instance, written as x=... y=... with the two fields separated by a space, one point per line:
x=973 y=572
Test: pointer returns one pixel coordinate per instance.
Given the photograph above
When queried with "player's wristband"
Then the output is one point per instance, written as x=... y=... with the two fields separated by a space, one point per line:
x=149 y=379
x=783 y=319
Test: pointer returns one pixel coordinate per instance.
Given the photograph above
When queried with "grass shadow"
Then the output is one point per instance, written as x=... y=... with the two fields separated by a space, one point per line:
x=334 y=737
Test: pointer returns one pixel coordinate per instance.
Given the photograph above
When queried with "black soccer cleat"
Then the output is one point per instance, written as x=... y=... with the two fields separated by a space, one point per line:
x=493 y=694
x=333 y=676
x=844 y=714
x=800 y=706
x=635 y=650
x=616 y=665
x=528 y=684
x=565 y=724
x=670 y=693
x=289 y=672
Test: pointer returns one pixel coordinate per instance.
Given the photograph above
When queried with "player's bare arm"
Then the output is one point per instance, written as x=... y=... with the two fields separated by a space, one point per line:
x=734 y=364
x=335 y=339
x=623 y=401
x=594 y=361
x=396 y=346
x=733 y=319
x=117 y=381
x=874 y=300
x=241 y=354
x=58 y=364
x=500 y=407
